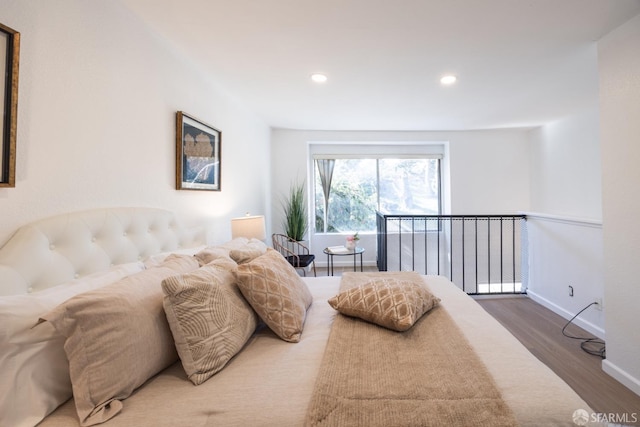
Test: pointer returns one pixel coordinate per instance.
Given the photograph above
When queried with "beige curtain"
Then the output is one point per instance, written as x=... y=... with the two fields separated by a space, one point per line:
x=325 y=170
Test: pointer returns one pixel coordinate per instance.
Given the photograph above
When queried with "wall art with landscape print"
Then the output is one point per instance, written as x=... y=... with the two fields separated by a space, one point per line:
x=198 y=157
x=9 y=56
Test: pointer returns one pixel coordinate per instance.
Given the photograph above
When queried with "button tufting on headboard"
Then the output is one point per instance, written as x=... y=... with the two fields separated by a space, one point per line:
x=58 y=249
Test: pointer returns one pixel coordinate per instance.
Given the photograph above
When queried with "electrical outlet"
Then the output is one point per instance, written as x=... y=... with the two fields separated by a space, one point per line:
x=599 y=304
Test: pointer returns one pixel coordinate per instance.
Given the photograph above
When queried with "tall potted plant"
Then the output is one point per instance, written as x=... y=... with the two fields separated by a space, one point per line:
x=295 y=213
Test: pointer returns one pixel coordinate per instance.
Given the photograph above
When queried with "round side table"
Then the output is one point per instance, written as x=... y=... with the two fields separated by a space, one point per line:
x=342 y=252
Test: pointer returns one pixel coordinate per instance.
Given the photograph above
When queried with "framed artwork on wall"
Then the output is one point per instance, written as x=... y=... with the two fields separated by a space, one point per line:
x=198 y=155
x=9 y=57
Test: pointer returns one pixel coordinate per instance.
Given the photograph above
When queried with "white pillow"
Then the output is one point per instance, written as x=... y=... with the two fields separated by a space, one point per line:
x=33 y=364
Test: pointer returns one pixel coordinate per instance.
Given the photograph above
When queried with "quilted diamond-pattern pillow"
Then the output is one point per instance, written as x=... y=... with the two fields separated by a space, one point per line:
x=276 y=292
x=389 y=302
x=209 y=319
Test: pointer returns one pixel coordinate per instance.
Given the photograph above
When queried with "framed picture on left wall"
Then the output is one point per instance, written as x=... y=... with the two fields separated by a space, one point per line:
x=9 y=56
x=198 y=154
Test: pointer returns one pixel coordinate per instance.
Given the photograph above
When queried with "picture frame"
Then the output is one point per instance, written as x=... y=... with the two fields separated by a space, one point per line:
x=9 y=61
x=198 y=154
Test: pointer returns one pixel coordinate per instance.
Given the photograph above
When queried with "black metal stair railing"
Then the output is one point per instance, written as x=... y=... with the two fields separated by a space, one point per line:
x=481 y=254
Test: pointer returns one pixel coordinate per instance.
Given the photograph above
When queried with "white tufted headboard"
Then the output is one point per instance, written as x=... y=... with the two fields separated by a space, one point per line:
x=55 y=250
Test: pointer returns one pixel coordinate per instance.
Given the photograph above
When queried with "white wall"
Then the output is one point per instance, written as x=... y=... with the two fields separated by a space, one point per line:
x=488 y=171
x=566 y=176
x=96 y=120
x=619 y=69
x=565 y=230
x=567 y=252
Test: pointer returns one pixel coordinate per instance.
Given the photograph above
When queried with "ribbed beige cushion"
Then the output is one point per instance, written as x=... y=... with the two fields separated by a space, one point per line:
x=242 y=256
x=117 y=337
x=212 y=253
x=224 y=262
x=253 y=249
x=276 y=292
x=209 y=318
x=389 y=302
x=239 y=250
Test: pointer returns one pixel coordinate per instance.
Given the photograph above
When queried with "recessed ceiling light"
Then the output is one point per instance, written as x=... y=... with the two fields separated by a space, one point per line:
x=448 y=80
x=318 y=77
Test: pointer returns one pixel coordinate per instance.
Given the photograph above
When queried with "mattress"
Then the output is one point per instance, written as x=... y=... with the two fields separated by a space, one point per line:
x=270 y=382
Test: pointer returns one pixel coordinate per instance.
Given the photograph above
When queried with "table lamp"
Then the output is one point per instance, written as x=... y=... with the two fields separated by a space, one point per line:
x=248 y=226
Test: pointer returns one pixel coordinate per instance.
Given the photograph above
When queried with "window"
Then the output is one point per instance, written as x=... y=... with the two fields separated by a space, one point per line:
x=348 y=191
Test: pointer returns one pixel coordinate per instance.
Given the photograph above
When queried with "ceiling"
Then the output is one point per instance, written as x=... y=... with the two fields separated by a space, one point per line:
x=519 y=63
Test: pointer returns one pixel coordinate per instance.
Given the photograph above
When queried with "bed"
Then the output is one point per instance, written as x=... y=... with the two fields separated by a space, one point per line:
x=268 y=381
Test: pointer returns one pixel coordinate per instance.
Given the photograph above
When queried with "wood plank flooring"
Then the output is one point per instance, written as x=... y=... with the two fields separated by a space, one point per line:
x=338 y=270
x=539 y=329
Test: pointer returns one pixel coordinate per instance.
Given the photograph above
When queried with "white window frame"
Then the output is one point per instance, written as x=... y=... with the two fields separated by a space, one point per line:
x=377 y=150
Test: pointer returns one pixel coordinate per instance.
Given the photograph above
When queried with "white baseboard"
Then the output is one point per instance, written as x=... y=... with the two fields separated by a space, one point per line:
x=587 y=326
x=621 y=376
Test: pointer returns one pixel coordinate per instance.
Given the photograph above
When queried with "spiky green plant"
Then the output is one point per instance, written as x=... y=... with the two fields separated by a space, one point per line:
x=295 y=213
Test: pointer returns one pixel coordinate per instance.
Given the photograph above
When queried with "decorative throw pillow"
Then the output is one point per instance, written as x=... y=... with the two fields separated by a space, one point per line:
x=117 y=337
x=212 y=253
x=276 y=292
x=224 y=263
x=209 y=318
x=240 y=250
x=157 y=259
x=244 y=255
x=253 y=249
x=258 y=244
x=389 y=302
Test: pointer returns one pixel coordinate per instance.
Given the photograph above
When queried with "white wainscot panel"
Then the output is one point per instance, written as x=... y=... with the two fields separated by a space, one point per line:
x=566 y=252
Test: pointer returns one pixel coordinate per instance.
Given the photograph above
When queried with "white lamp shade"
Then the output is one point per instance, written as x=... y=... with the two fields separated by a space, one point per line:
x=249 y=227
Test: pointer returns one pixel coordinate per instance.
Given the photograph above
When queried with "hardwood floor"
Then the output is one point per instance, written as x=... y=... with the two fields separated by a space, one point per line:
x=338 y=270
x=539 y=329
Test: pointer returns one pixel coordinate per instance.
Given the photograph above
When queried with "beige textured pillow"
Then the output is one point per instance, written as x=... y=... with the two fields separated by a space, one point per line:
x=209 y=318
x=276 y=292
x=212 y=253
x=244 y=255
x=225 y=263
x=389 y=302
x=34 y=371
x=117 y=337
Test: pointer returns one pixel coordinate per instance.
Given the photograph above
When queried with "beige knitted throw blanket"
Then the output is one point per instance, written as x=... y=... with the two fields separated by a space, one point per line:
x=427 y=376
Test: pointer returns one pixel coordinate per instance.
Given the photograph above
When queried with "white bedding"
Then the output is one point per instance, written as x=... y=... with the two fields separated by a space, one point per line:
x=269 y=383
x=537 y=395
